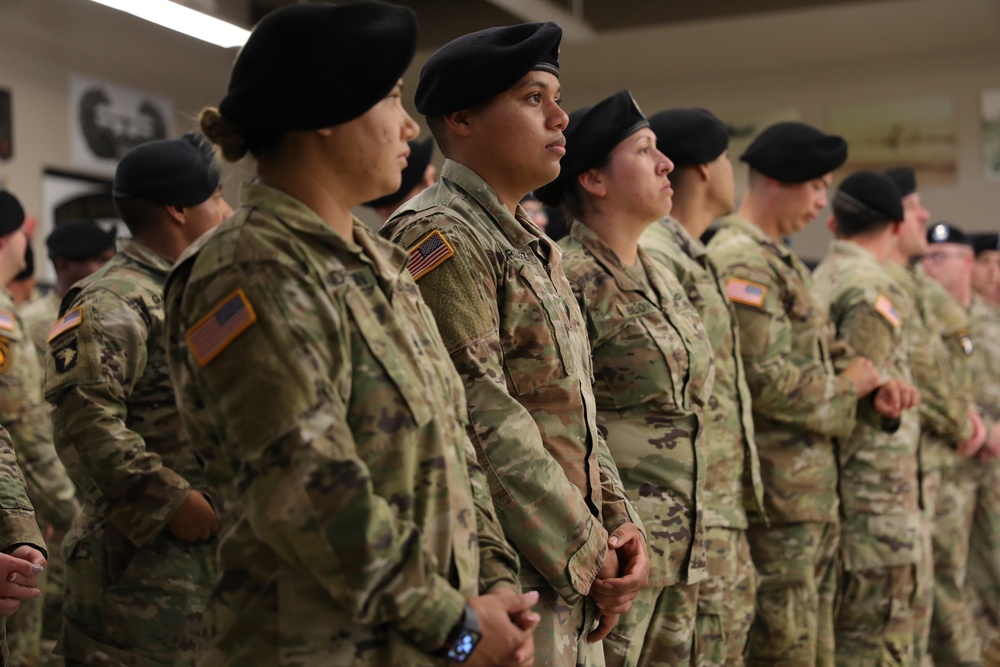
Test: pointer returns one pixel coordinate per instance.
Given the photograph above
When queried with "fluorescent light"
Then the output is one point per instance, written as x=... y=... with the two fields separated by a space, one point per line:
x=183 y=19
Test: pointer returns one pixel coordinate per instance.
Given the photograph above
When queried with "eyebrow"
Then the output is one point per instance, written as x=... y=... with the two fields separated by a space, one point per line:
x=539 y=83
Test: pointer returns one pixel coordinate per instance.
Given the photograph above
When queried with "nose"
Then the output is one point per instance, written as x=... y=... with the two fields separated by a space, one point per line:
x=559 y=118
x=227 y=210
x=664 y=164
x=410 y=127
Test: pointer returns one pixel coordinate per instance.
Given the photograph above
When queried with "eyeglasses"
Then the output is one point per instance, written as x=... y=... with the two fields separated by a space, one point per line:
x=939 y=255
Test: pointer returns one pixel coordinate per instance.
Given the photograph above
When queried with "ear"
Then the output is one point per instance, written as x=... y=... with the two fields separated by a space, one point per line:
x=831 y=224
x=593 y=182
x=897 y=227
x=176 y=214
x=704 y=173
x=458 y=122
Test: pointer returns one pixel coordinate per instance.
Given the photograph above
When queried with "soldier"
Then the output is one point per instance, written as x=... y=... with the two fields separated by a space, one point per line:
x=514 y=331
x=315 y=386
x=653 y=366
x=697 y=143
x=880 y=538
x=800 y=400
x=419 y=175
x=139 y=558
x=24 y=412
x=22 y=286
x=77 y=248
x=945 y=418
x=953 y=637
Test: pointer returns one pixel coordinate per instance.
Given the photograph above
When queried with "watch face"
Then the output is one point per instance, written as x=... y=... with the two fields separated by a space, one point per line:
x=462 y=648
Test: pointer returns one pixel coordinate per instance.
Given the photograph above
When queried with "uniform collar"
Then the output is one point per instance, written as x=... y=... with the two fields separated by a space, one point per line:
x=142 y=255
x=691 y=246
x=757 y=234
x=850 y=249
x=607 y=257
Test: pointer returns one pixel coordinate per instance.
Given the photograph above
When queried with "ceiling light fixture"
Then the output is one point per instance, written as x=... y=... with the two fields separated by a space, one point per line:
x=183 y=19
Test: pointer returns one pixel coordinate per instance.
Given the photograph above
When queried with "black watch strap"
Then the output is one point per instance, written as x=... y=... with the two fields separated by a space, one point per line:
x=464 y=637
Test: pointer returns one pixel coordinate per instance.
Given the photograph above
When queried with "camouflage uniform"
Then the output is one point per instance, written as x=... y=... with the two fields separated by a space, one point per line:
x=732 y=484
x=879 y=482
x=983 y=582
x=943 y=421
x=25 y=414
x=331 y=422
x=653 y=375
x=134 y=593
x=799 y=406
x=519 y=341
x=953 y=637
x=38 y=317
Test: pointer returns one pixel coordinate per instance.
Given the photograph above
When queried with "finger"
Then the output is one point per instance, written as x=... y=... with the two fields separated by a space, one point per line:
x=18 y=592
x=604 y=626
x=8 y=606
x=526 y=620
x=513 y=604
x=525 y=653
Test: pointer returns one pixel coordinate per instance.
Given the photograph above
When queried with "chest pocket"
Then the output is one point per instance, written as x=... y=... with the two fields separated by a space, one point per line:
x=533 y=331
x=391 y=347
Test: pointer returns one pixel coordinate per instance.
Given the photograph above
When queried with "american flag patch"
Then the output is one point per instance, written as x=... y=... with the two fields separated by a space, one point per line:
x=744 y=291
x=214 y=332
x=73 y=318
x=430 y=252
x=6 y=320
x=885 y=308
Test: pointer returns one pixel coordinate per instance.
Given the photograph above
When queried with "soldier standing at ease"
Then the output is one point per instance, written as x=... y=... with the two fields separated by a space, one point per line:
x=139 y=558
x=315 y=386
x=515 y=333
x=880 y=534
x=697 y=143
x=800 y=400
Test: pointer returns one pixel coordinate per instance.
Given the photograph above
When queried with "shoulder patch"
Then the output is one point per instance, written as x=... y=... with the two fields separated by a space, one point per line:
x=6 y=321
x=4 y=355
x=70 y=320
x=214 y=332
x=884 y=307
x=428 y=254
x=746 y=291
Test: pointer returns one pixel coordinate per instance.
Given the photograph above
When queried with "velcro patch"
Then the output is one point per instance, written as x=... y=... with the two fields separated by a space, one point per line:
x=428 y=254
x=884 y=307
x=214 y=332
x=746 y=291
x=70 y=320
x=6 y=320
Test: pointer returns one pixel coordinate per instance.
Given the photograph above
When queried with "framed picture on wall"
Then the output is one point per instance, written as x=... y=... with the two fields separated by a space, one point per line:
x=991 y=134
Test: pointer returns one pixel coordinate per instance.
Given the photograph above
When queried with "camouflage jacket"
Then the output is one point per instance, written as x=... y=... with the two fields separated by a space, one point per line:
x=38 y=317
x=113 y=410
x=24 y=412
x=321 y=400
x=653 y=371
x=879 y=481
x=733 y=484
x=788 y=346
x=984 y=329
x=517 y=337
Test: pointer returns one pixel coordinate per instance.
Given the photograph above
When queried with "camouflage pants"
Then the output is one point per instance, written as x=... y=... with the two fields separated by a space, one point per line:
x=923 y=599
x=658 y=631
x=561 y=635
x=983 y=582
x=33 y=631
x=991 y=655
x=874 y=626
x=726 y=600
x=953 y=639
x=797 y=565
x=134 y=607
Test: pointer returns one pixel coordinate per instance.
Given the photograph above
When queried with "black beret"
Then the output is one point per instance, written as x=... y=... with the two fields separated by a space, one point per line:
x=173 y=172
x=477 y=67
x=416 y=165
x=29 y=264
x=79 y=238
x=905 y=179
x=872 y=194
x=312 y=65
x=986 y=242
x=591 y=135
x=793 y=152
x=11 y=213
x=689 y=136
x=945 y=232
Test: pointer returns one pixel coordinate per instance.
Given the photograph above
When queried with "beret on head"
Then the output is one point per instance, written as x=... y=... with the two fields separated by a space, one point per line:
x=11 y=213
x=474 y=68
x=945 y=232
x=592 y=133
x=793 y=152
x=871 y=194
x=905 y=179
x=986 y=242
x=173 y=172
x=689 y=136
x=312 y=65
x=416 y=165
x=79 y=238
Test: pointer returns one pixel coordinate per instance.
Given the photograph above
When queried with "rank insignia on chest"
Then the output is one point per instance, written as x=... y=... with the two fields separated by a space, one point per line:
x=70 y=320
x=66 y=356
x=214 y=332
x=884 y=307
x=428 y=254
x=745 y=291
x=6 y=321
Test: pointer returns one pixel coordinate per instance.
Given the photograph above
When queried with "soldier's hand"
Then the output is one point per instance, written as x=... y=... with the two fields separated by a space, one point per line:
x=18 y=578
x=614 y=595
x=863 y=375
x=991 y=448
x=977 y=439
x=894 y=397
x=504 y=642
x=605 y=624
x=195 y=520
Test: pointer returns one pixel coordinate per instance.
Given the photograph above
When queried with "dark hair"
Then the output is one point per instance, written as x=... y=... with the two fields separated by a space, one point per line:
x=233 y=142
x=852 y=218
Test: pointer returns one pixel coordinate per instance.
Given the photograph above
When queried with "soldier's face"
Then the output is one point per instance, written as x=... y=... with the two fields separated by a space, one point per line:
x=207 y=214
x=986 y=273
x=635 y=180
x=949 y=263
x=800 y=203
x=913 y=231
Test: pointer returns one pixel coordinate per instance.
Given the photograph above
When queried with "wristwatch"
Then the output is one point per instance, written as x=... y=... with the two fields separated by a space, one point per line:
x=464 y=637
